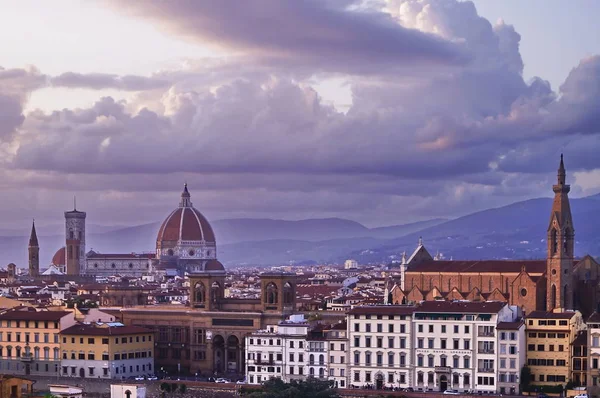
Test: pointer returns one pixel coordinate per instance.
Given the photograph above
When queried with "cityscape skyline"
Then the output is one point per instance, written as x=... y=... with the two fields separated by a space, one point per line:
x=438 y=114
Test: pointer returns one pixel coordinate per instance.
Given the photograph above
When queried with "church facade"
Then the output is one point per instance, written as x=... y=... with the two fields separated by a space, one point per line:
x=559 y=281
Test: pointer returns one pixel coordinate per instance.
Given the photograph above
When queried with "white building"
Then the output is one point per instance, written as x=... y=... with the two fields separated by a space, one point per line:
x=337 y=340
x=278 y=351
x=380 y=346
x=512 y=353
x=455 y=344
x=350 y=264
x=593 y=377
x=128 y=264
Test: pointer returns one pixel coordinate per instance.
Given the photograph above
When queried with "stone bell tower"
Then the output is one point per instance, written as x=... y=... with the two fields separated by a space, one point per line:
x=75 y=241
x=278 y=292
x=561 y=245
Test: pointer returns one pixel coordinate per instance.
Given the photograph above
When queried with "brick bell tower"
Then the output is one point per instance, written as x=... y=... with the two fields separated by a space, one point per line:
x=561 y=239
x=34 y=253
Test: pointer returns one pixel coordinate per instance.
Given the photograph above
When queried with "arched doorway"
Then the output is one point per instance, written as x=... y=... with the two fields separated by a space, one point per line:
x=443 y=383
x=127 y=394
x=233 y=354
x=379 y=381
x=219 y=353
x=81 y=372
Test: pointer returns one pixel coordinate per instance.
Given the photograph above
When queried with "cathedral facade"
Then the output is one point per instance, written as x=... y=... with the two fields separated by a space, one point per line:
x=559 y=281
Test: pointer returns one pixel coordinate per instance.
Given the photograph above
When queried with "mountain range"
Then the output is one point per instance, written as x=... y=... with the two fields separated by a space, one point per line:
x=514 y=231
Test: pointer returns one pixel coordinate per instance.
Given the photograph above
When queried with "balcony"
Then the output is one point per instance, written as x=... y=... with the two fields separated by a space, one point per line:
x=485 y=370
x=485 y=333
x=443 y=369
x=485 y=350
x=315 y=349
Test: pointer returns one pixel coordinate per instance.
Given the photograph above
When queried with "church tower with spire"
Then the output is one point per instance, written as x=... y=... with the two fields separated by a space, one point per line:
x=34 y=253
x=561 y=245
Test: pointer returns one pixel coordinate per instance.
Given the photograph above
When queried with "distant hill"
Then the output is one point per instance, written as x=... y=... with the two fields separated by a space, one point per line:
x=514 y=231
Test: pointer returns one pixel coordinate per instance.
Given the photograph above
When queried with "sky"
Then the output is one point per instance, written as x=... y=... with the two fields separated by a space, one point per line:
x=383 y=112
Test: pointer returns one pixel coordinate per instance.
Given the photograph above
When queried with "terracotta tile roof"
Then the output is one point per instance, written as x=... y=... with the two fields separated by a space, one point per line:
x=550 y=315
x=595 y=317
x=95 y=330
x=486 y=307
x=510 y=325
x=20 y=315
x=195 y=226
x=383 y=310
x=508 y=266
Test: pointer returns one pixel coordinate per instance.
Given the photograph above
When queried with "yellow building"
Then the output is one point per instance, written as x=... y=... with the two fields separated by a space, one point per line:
x=549 y=339
x=107 y=350
x=30 y=341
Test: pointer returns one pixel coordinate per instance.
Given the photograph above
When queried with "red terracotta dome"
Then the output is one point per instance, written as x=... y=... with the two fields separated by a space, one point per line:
x=185 y=224
x=214 y=265
x=60 y=257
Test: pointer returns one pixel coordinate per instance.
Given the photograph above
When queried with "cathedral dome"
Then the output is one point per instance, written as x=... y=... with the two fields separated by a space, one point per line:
x=185 y=226
x=59 y=258
x=214 y=265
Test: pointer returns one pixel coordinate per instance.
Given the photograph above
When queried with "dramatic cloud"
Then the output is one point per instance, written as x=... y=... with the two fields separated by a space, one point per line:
x=441 y=121
x=331 y=35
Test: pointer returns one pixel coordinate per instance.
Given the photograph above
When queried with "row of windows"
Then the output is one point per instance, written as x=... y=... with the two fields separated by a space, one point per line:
x=551 y=378
x=105 y=340
x=19 y=352
x=548 y=322
x=369 y=378
x=507 y=377
x=26 y=337
x=118 y=370
x=379 y=342
x=389 y=317
x=379 y=328
x=444 y=344
x=512 y=349
x=512 y=363
x=542 y=347
x=105 y=356
x=547 y=335
x=29 y=324
x=508 y=336
x=546 y=362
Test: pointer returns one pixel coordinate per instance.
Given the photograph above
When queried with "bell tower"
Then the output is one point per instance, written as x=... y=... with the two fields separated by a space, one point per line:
x=75 y=241
x=561 y=239
x=34 y=253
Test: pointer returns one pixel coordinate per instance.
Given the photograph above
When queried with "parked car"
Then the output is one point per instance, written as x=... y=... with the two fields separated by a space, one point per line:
x=584 y=395
x=451 y=392
x=222 y=380
x=138 y=378
x=243 y=381
x=152 y=377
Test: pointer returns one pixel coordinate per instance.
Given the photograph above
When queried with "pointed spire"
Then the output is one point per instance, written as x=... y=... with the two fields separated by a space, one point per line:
x=33 y=240
x=561 y=171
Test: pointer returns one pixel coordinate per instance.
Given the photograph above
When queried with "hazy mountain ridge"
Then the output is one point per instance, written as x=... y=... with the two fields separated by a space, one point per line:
x=517 y=230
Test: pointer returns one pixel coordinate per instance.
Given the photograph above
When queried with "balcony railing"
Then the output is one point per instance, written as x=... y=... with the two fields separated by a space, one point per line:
x=485 y=350
x=442 y=369
x=485 y=333
x=486 y=370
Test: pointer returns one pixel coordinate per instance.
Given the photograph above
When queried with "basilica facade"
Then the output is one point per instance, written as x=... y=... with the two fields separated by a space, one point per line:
x=558 y=282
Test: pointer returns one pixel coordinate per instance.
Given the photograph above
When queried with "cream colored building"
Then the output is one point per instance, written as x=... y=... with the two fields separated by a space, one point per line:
x=549 y=337
x=30 y=341
x=107 y=350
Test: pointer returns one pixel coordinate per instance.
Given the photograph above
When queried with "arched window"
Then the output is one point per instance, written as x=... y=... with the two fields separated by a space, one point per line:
x=56 y=353
x=554 y=241
x=71 y=234
x=271 y=294
x=200 y=292
x=18 y=352
x=9 y=352
x=321 y=372
x=449 y=284
x=321 y=360
x=566 y=237
x=312 y=371
x=36 y=352
x=311 y=359
x=215 y=292
x=552 y=298
x=288 y=293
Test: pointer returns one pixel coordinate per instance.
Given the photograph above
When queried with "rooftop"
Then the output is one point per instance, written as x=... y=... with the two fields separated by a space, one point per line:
x=484 y=307
x=96 y=329
x=30 y=314
x=551 y=315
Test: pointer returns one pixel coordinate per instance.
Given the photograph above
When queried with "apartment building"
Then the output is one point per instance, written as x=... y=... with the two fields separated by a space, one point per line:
x=107 y=350
x=579 y=359
x=317 y=351
x=455 y=344
x=550 y=336
x=593 y=339
x=30 y=342
x=279 y=351
x=380 y=352
x=336 y=337
x=512 y=353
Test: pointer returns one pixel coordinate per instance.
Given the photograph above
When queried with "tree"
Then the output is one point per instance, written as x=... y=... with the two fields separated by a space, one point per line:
x=525 y=378
x=311 y=387
x=182 y=388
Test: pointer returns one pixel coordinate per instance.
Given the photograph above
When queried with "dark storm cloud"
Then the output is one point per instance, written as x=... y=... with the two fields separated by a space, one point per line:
x=98 y=81
x=327 y=35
